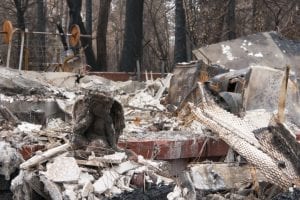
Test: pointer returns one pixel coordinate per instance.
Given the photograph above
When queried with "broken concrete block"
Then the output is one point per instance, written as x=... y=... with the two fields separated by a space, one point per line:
x=70 y=192
x=105 y=182
x=85 y=178
x=9 y=159
x=114 y=191
x=87 y=189
x=63 y=169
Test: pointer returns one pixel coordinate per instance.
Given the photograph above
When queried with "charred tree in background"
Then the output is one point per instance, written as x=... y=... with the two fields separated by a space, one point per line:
x=156 y=51
x=101 y=34
x=180 y=51
x=231 y=20
x=41 y=27
x=89 y=19
x=21 y=6
x=89 y=16
x=133 y=38
x=75 y=18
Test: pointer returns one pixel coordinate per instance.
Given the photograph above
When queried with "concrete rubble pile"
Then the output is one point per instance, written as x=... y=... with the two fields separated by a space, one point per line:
x=205 y=131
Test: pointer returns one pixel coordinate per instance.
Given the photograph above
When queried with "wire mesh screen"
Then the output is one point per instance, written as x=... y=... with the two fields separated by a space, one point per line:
x=41 y=52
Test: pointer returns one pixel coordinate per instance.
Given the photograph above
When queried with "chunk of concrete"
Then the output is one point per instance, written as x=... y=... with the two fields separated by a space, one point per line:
x=85 y=178
x=63 y=169
x=70 y=192
x=115 y=191
x=105 y=182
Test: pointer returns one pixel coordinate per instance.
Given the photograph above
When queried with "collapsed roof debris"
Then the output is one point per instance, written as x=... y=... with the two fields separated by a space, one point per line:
x=101 y=139
x=264 y=49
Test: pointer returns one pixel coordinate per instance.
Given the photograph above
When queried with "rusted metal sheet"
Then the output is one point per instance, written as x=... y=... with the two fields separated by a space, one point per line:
x=263 y=91
x=185 y=78
x=176 y=149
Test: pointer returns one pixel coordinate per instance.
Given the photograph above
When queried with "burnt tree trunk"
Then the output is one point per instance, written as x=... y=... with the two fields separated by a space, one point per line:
x=62 y=36
x=75 y=18
x=89 y=16
x=231 y=20
x=180 y=51
x=133 y=38
x=89 y=19
x=21 y=6
x=101 y=34
x=41 y=27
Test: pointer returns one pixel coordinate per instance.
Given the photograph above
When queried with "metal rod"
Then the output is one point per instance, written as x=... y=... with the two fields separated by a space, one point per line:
x=8 y=54
x=21 y=50
x=9 y=49
x=26 y=59
x=49 y=33
x=138 y=69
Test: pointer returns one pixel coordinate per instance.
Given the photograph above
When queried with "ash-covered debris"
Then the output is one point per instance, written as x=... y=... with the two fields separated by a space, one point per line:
x=293 y=193
x=159 y=139
x=9 y=161
x=61 y=176
x=97 y=117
